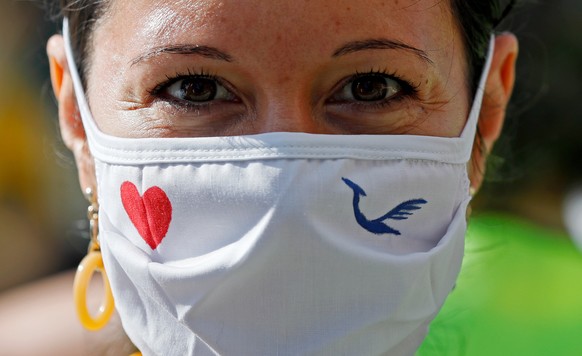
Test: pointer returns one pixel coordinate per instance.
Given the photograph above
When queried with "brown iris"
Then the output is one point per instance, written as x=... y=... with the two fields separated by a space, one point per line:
x=369 y=88
x=198 y=89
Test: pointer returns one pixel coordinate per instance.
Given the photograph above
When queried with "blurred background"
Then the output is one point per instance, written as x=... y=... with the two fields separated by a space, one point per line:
x=40 y=201
x=526 y=221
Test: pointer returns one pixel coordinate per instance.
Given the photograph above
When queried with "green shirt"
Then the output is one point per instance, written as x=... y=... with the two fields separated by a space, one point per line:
x=519 y=293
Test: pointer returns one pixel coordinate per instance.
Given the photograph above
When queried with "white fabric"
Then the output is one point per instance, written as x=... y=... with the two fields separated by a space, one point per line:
x=573 y=215
x=264 y=253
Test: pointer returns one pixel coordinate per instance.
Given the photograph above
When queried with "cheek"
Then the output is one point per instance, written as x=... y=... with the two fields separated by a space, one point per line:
x=101 y=93
x=114 y=111
x=85 y=166
x=443 y=118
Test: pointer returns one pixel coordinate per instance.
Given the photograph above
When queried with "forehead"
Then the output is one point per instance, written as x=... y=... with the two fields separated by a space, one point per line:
x=314 y=27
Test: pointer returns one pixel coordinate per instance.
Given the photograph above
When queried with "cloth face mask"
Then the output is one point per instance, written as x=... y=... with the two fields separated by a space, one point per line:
x=280 y=243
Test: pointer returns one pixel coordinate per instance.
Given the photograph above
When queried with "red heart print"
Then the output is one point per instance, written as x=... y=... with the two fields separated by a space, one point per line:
x=150 y=214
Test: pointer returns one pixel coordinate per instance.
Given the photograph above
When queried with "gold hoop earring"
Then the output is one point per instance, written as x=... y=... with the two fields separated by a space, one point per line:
x=90 y=264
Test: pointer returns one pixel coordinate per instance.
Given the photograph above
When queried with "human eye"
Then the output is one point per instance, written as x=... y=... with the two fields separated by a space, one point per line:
x=371 y=88
x=194 y=89
x=191 y=103
x=373 y=102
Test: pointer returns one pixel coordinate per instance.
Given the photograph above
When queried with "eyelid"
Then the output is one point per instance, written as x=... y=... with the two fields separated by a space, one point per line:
x=171 y=79
x=408 y=89
x=156 y=91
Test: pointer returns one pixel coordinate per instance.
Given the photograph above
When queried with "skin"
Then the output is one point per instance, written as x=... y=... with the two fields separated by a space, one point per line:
x=283 y=76
x=283 y=79
x=282 y=72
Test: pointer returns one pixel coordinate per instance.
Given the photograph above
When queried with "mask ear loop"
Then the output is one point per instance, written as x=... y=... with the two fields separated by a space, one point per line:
x=92 y=263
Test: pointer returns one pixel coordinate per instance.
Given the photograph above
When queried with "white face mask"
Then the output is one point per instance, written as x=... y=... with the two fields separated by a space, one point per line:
x=280 y=243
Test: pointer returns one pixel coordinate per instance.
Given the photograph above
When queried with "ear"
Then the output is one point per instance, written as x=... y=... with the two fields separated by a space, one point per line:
x=72 y=129
x=498 y=89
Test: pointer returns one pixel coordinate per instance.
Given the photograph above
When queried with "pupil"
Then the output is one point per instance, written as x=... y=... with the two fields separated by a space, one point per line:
x=369 y=88
x=198 y=89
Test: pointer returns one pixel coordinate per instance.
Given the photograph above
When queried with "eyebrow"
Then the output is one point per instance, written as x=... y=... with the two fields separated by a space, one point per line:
x=380 y=43
x=204 y=51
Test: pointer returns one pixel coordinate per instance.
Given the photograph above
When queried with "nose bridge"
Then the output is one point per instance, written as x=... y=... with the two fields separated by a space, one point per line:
x=288 y=109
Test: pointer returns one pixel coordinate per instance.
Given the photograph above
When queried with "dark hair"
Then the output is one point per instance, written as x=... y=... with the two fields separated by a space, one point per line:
x=82 y=15
x=477 y=20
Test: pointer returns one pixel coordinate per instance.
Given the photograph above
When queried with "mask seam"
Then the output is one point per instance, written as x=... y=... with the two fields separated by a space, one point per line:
x=175 y=160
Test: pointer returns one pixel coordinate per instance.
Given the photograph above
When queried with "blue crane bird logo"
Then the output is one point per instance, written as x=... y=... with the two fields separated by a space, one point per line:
x=377 y=226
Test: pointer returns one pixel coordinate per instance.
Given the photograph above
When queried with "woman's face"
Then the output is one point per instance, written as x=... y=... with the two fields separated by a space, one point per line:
x=230 y=67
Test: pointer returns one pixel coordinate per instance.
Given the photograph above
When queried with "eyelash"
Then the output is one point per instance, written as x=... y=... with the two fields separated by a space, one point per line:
x=157 y=91
x=409 y=90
